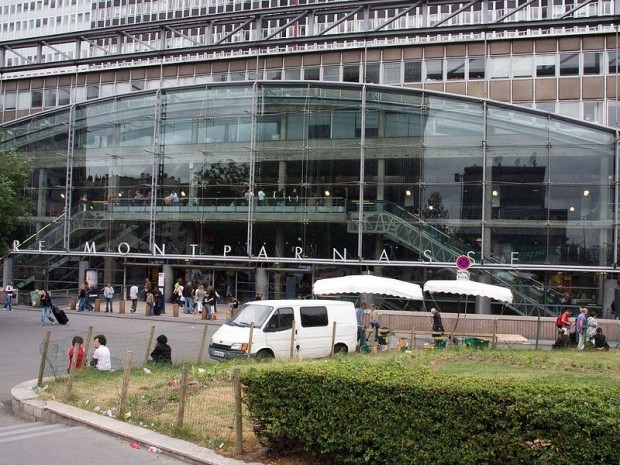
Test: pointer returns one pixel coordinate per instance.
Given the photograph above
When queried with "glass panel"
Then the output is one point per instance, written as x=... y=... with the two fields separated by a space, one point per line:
x=351 y=73
x=545 y=65
x=569 y=64
x=331 y=73
x=434 y=70
x=522 y=66
x=455 y=68
x=500 y=67
x=592 y=63
x=413 y=71
x=476 y=68
x=373 y=71
x=391 y=73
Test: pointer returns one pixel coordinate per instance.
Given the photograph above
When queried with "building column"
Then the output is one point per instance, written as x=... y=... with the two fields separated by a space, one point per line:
x=261 y=281
x=168 y=282
x=7 y=271
x=83 y=265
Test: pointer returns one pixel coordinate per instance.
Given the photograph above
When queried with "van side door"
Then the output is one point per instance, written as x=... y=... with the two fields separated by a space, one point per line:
x=278 y=332
x=314 y=335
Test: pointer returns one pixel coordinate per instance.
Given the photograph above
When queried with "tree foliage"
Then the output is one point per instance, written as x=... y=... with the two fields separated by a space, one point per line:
x=15 y=205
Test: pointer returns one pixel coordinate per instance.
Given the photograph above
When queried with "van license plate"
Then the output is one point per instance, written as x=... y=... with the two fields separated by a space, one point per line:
x=217 y=353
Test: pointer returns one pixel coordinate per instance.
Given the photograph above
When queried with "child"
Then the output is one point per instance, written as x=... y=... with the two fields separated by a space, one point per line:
x=80 y=354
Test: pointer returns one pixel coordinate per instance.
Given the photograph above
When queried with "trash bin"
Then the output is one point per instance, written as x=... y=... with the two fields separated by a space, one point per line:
x=440 y=342
x=35 y=299
x=476 y=342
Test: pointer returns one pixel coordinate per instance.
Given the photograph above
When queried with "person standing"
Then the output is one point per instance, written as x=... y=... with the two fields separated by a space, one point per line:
x=199 y=295
x=133 y=296
x=8 y=292
x=565 y=323
x=101 y=358
x=46 y=308
x=150 y=303
x=188 y=292
x=580 y=328
x=437 y=322
x=108 y=294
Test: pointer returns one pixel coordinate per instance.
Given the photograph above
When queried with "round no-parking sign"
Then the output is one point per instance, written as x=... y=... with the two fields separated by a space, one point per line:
x=463 y=262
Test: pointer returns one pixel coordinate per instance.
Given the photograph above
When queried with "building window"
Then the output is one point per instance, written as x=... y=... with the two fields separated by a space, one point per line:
x=592 y=63
x=455 y=69
x=413 y=71
x=50 y=97
x=351 y=73
x=331 y=73
x=545 y=65
x=569 y=64
x=391 y=73
x=522 y=66
x=92 y=92
x=372 y=73
x=476 y=68
x=500 y=67
x=10 y=101
x=434 y=70
x=64 y=96
x=36 y=99
x=312 y=74
x=614 y=58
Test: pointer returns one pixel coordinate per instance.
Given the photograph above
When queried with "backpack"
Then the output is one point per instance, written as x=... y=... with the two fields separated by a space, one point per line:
x=558 y=321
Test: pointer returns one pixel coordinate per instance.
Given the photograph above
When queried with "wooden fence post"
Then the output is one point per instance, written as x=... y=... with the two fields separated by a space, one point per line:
x=331 y=351
x=125 y=388
x=149 y=344
x=46 y=345
x=181 y=411
x=203 y=343
x=292 y=353
x=238 y=411
x=74 y=359
x=412 y=339
x=249 y=354
x=89 y=336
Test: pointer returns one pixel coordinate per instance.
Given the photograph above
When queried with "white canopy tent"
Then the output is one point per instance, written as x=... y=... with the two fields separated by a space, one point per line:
x=367 y=284
x=469 y=288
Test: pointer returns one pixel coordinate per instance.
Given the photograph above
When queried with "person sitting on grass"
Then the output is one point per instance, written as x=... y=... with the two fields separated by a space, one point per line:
x=162 y=353
x=600 y=341
x=101 y=358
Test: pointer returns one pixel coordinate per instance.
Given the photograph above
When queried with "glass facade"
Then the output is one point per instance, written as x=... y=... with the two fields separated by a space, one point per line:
x=317 y=175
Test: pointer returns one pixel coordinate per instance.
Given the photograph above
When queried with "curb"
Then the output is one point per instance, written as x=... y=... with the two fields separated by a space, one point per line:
x=27 y=406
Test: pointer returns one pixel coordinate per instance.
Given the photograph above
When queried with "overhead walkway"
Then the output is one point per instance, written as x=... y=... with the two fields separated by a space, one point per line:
x=408 y=230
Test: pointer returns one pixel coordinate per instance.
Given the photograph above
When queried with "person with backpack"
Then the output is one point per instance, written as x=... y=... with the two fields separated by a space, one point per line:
x=563 y=322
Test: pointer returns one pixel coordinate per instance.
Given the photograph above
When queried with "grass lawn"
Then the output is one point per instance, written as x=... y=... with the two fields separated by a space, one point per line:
x=154 y=393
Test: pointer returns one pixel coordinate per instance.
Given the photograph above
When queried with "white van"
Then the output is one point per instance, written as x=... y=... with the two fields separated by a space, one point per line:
x=273 y=330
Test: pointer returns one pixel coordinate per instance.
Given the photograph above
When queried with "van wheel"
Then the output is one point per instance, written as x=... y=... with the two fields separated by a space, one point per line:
x=341 y=349
x=264 y=354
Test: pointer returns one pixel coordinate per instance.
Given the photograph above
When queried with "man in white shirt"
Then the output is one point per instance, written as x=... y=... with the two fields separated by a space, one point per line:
x=101 y=357
x=133 y=296
x=108 y=294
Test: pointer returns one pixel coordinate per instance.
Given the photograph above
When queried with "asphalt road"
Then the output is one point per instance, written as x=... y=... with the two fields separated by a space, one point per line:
x=23 y=443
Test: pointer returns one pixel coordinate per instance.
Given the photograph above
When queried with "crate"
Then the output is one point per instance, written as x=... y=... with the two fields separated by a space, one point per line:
x=476 y=342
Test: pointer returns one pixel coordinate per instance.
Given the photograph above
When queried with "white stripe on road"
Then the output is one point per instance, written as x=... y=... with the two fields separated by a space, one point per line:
x=28 y=431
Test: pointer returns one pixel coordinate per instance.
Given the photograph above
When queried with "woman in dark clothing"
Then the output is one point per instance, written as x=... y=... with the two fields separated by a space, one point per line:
x=600 y=341
x=162 y=352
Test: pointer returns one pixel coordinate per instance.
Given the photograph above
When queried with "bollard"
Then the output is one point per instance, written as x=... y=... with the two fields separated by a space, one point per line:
x=97 y=305
x=121 y=307
x=147 y=310
x=203 y=315
x=73 y=303
x=175 y=310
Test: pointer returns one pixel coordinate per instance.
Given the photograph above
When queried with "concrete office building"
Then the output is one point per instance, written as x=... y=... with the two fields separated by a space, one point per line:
x=262 y=144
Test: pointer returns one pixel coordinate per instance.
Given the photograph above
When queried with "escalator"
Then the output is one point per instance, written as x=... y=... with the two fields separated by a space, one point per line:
x=392 y=221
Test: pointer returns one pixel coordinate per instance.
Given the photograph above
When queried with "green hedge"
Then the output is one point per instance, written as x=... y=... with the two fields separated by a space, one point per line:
x=398 y=411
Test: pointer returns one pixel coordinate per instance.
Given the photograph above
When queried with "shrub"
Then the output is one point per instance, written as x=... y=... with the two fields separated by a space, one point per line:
x=402 y=410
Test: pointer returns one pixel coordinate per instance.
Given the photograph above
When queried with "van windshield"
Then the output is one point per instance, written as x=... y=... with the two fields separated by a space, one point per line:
x=249 y=313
